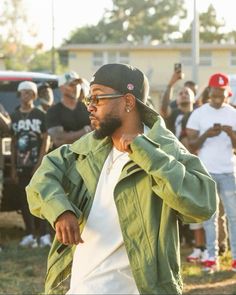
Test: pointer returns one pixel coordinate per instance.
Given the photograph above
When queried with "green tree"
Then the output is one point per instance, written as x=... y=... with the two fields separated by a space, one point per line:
x=210 y=28
x=42 y=62
x=18 y=55
x=85 y=35
x=134 y=21
x=140 y=21
x=13 y=22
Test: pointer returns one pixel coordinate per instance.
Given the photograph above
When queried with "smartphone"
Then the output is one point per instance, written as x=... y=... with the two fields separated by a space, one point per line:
x=217 y=125
x=177 y=67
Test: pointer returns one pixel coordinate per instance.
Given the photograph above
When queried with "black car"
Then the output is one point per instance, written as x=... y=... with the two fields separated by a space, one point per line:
x=9 y=81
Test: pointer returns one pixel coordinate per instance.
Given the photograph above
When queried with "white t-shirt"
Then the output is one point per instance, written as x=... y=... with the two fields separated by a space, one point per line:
x=216 y=152
x=100 y=264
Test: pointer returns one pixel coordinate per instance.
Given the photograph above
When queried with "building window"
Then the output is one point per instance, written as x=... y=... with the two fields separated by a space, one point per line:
x=233 y=58
x=124 y=57
x=72 y=55
x=186 y=58
x=103 y=57
x=111 y=57
x=205 y=58
x=97 y=59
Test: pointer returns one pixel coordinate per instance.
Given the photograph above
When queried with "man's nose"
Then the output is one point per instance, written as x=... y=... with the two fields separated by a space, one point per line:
x=91 y=107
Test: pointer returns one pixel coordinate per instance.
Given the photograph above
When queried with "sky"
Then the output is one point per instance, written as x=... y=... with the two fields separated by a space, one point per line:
x=71 y=14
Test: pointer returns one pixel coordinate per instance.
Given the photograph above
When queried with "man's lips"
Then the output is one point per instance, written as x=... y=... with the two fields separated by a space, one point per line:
x=92 y=118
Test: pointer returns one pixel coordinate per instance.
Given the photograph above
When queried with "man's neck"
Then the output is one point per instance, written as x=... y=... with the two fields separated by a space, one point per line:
x=25 y=108
x=216 y=106
x=70 y=103
x=132 y=127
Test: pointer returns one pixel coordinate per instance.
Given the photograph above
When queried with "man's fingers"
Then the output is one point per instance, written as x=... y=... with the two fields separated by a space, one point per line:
x=76 y=236
x=67 y=229
x=59 y=235
x=69 y=235
x=65 y=237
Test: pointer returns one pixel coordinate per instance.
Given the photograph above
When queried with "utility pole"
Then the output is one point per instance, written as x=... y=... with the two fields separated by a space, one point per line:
x=195 y=43
x=53 y=64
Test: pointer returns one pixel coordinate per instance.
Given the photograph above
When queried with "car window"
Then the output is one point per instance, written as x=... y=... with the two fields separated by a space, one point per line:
x=9 y=82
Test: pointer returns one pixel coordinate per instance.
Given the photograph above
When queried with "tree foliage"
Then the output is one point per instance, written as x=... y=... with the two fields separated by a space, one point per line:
x=210 y=28
x=18 y=55
x=134 y=21
x=146 y=21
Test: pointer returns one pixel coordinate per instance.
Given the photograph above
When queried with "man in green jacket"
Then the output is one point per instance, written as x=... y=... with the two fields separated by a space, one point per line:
x=115 y=195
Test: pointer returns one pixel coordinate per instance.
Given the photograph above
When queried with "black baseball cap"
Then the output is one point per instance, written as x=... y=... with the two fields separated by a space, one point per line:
x=125 y=78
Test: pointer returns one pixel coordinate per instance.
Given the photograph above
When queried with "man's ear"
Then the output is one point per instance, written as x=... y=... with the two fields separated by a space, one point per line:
x=130 y=101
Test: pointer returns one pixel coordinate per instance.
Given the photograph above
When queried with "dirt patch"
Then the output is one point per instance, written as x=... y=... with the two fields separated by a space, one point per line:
x=224 y=287
x=11 y=219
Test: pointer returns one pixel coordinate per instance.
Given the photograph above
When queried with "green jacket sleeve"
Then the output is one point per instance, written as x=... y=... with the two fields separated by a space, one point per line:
x=178 y=177
x=46 y=193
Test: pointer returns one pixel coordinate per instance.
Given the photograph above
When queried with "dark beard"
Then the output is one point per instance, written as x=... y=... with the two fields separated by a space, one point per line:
x=107 y=127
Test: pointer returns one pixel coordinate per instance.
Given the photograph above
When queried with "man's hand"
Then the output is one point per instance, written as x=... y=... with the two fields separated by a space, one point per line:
x=213 y=131
x=67 y=229
x=175 y=77
x=125 y=142
x=227 y=129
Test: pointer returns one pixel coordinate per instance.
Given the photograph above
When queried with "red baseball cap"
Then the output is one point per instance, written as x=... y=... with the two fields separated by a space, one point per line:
x=220 y=80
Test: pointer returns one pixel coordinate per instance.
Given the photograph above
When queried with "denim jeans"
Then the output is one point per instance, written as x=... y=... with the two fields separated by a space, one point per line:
x=226 y=188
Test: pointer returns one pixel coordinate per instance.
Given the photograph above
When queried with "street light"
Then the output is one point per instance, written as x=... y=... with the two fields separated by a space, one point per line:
x=195 y=43
x=53 y=65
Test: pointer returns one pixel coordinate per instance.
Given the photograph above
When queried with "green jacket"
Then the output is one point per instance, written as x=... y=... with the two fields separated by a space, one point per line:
x=162 y=181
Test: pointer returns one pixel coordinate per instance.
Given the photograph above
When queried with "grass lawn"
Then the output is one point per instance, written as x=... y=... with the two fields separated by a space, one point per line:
x=22 y=270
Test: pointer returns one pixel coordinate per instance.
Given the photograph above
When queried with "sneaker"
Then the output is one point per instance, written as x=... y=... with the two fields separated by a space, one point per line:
x=233 y=265
x=45 y=241
x=211 y=265
x=28 y=241
x=195 y=255
x=204 y=256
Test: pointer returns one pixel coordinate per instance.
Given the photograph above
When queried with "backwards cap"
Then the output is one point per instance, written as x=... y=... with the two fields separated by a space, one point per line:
x=28 y=85
x=126 y=79
x=68 y=78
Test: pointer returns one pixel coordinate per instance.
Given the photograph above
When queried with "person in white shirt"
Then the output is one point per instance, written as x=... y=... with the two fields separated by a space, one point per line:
x=211 y=130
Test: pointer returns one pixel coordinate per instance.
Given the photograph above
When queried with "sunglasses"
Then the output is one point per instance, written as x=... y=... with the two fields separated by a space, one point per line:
x=94 y=99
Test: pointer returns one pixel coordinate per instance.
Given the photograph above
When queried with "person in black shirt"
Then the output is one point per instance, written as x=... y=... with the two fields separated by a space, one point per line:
x=45 y=96
x=29 y=144
x=68 y=120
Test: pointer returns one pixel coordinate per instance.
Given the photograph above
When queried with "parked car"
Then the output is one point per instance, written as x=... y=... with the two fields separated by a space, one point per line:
x=9 y=81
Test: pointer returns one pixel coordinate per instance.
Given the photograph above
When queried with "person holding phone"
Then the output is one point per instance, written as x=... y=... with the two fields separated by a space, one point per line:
x=211 y=130
x=168 y=104
x=175 y=113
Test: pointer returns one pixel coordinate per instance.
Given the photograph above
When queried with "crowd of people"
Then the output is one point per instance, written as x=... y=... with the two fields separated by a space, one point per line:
x=207 y=127
x=35 y=131
x=108 y=177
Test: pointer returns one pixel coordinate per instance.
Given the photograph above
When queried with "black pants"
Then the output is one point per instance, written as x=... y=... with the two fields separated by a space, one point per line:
x=33 y=225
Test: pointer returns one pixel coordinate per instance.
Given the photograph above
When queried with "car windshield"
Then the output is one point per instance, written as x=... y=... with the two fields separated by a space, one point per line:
x=9 y=81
